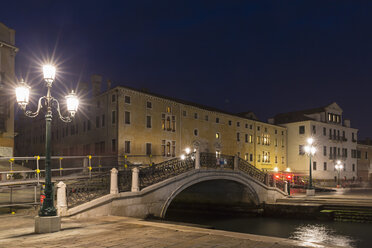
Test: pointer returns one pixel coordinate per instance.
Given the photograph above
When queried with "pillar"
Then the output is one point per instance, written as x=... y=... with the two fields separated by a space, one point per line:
x=236 y=162
x=61 y=199
x=135 y=179
x=114 y=181
x=286 y=187
x=197 y=159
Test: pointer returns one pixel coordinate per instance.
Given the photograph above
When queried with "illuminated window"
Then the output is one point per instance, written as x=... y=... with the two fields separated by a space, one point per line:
x=246 y=157
x=218 y=154
x=217 y=135
x=163 y=121
x=168 y=149
x=168 y=123
x=250 y=138
x=163 y=147
x=169 y=109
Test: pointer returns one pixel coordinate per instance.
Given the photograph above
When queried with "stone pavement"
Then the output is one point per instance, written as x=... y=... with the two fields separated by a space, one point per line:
x=112 y=231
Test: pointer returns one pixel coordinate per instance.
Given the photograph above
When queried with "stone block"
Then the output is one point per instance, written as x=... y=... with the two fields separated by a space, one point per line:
x=310 y=192
x=47 y=224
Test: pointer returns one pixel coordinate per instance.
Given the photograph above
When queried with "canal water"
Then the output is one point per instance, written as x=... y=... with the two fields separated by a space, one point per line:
x=344 y=234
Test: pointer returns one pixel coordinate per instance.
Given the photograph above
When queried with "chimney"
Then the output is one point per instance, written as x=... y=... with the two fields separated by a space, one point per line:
x=108 y=84
x=347 y=123
x=96 y=84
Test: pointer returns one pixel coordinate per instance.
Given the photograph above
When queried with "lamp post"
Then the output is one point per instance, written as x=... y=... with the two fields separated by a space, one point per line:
x=310 y=151
x=338 y=167
x=47 y=102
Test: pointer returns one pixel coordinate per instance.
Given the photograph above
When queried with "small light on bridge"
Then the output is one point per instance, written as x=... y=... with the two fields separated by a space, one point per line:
x=183 y=157
x=187 y=150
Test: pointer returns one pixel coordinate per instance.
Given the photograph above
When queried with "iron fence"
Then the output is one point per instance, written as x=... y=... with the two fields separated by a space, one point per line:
x=249 y=169
x=210 y=160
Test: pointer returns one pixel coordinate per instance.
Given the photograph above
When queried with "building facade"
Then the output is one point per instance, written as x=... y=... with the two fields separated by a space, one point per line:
x=126 y=121
x=335 y=140
x=7 y=76
x=365 y=160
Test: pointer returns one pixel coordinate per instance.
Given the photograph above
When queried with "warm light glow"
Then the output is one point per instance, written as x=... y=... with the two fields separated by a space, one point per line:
x=339 y=166
x=22 y=94
x=72 y=103
x=313 y=150
x=49 y=73
x=310 y=141
x=307 y=149
x=276 y=169
x=183 y=157
x=288 y=170
x=187 y=150
x=338 y=162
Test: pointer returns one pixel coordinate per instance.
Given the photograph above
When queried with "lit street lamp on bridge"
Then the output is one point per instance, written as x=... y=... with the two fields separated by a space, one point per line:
x=22 y=95
x=338 y=167
x=310 y=151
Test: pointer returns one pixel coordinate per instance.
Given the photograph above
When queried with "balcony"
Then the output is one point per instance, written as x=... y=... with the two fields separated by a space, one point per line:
x=337 y=157
x=337 y=138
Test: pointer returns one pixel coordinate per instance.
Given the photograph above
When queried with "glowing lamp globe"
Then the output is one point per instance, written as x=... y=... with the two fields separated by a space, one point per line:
x=49 y=73
x=72 y=103
x=22 y=94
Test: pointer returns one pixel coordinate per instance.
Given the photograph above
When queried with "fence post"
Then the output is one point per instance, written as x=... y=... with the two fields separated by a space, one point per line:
x=236 y=162
x=135 y=179
x=197 y=159
x=61 y=199
x=60 y=167
x=114 y=181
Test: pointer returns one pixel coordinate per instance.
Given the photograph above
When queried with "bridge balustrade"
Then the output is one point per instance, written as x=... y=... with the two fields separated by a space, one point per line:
x=209 y=160
x=249 y=169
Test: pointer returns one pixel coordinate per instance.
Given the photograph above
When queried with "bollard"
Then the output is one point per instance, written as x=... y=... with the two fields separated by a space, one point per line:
x=197 y=159
x=61 y=199
x=135 y=179
x=236 y=162
x=114 y=181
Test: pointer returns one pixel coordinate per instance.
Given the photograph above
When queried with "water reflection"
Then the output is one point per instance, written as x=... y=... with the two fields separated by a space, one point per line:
x=315 y=235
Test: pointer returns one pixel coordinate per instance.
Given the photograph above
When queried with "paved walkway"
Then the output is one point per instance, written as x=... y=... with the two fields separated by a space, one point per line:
x=112 y=231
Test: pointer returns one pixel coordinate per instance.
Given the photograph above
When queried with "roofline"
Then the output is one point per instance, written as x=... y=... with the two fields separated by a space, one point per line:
x=187 y=103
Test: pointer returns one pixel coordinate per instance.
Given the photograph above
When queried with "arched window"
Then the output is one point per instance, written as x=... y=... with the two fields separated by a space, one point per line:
x=168 y=149
x=168 y=123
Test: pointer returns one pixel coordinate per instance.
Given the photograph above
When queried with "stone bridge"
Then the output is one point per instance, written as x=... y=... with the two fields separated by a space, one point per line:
x=153 y=188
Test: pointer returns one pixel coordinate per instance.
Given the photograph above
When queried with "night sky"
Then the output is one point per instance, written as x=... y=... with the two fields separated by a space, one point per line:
x=264 y=56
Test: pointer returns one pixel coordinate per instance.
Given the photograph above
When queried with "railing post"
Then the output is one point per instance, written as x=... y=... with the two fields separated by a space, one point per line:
x=197 y=159
x=85 y=165
x=61 y=199
x=236 y=162
x=135 y=179
x=286 y=187
x=114 y=181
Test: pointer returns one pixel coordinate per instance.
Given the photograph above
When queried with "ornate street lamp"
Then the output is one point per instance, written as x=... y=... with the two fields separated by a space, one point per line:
x=22 y=93
x=310 y=151
x=338 y=167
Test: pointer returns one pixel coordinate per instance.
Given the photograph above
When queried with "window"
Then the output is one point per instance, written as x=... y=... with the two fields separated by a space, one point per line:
x=97 y=121
x=196 y=132
x=113 y=145
x=148 y=149
x=127 y=99
x=246 y=157
x=258 y=128
x=366 y=155
x=169 y=109
x=301 y=150
x=276 y=159
x=324 y=150
x=238 y=124
x=314 y=165
x=173 y=148
x=163 y=121
x=206 y=118
x=113 y=117
x=217 y=120
x=113 y=98
x=163 y=151
x=195 y=115
x=217 y=135
x=251 y=157
x=127 y=146
x=314 y=129
x=148 y=121
x=127 y=117
x=265 y=157
x=266 y=139
x=265 y=129
x=324 y=131
x=250 y=138
x=88 y=125
x=246 y=138
x=353 y=167
x=325 y=166
x=238 y=136
x=184 y=113
x=259 y=158
x=282 y=132
x=173 y=123
x=301 y=129
x=149 y=105
x=230 y=122
x=246 y=125
x=282 y=160
x=103 y=120
x=258 y=139
x=218 y=154
x=276 y=142
x=250 y=127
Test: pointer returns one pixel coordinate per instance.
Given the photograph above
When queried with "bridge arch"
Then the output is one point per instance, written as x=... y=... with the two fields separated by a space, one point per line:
x=235 y=177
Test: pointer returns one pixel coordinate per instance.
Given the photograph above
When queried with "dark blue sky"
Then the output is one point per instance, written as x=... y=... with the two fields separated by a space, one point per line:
x=264 y=56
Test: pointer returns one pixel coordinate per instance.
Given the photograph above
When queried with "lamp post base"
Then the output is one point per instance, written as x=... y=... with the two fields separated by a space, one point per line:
x=47 y=224
x=310 y=192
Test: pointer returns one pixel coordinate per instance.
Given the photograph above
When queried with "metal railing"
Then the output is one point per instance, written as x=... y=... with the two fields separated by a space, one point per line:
x=210 y=160
x=249 y=169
